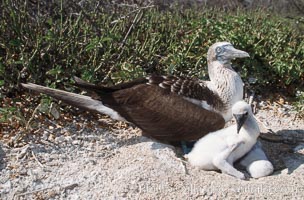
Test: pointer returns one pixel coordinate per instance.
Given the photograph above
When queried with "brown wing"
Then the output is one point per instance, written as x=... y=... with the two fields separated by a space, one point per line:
x=156 y=105
x=161 y=114
x=185 y=87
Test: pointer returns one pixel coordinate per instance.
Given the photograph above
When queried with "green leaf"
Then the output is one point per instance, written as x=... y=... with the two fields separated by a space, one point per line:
x=15 y=42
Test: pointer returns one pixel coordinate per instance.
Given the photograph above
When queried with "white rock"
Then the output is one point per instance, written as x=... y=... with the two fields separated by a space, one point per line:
x=6 y=187
x=60 y=139
x=68 y=139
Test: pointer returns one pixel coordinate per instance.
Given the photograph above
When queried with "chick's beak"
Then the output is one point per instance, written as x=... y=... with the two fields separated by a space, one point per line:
x=240 y=119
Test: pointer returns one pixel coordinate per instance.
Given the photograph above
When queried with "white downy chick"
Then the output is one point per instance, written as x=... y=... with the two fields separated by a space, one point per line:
x=219 y=150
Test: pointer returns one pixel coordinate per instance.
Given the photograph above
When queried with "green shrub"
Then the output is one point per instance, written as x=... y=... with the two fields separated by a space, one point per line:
x=49 y=47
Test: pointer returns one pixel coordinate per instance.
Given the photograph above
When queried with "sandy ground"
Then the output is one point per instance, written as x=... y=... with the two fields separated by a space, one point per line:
x=79 y=161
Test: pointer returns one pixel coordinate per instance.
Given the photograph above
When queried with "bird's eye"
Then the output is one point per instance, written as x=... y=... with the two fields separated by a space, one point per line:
x=246 y=113
x=218 y=49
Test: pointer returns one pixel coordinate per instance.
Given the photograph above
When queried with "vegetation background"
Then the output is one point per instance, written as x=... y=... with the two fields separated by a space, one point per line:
x=107 y=41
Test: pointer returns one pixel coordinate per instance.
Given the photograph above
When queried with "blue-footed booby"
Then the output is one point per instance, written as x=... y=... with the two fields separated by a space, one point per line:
x=167 y=108
x=219 y=150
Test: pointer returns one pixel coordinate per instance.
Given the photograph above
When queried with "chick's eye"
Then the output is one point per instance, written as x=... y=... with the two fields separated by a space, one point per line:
x=218 y=49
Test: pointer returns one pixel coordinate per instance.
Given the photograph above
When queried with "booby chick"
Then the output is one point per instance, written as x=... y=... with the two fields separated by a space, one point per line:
x=220 y=149
x=167 y=108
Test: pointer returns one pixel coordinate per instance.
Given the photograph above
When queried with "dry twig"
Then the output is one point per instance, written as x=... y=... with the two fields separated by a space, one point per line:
x=32 y=117
x=40 y=164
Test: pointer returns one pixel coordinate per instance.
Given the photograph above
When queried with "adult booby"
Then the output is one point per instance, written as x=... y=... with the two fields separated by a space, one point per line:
x=220 y=149
x=167 y=108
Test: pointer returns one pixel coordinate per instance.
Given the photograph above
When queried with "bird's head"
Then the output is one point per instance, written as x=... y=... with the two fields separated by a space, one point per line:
x=241 y=110
x=224 y=52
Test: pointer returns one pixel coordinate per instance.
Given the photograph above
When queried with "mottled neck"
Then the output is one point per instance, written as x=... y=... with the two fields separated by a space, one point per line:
x=227 y=84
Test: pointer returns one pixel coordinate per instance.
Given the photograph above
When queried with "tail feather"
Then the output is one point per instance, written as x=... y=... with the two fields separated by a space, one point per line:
x=77 y=100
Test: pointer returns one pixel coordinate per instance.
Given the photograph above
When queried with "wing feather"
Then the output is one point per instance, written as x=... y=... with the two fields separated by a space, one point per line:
x=163 y=115
x=185 y=87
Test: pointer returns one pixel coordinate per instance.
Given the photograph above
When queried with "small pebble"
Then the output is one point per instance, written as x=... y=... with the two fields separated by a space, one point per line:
x=60 y=139
x=283 y=111
x=68 y=139
x=6 y=187
x=51 y=137
x=262 y=103
x=23 y=152
x=76 y=142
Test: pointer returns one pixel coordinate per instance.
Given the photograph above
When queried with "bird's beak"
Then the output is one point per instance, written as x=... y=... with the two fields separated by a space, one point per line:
x=240 y=119
x=235 y=53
